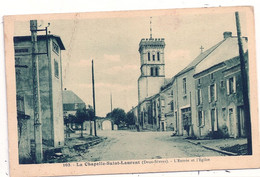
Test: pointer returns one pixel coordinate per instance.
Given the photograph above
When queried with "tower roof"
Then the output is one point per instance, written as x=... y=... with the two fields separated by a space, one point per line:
x=149 y=42
x=41 y=37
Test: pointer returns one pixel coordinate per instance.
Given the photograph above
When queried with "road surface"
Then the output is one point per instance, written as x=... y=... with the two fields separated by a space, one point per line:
x=127 y=145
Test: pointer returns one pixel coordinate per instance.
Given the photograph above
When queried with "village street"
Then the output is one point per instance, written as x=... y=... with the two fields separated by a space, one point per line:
x=127 y=145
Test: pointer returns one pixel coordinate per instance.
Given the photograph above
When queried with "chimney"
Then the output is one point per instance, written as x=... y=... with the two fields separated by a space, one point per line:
x=227 y=34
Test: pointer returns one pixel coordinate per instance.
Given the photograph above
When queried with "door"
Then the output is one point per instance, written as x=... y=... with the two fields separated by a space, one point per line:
x=231 y=122
x=186 y=119
x=241 y=122
x=214 y=121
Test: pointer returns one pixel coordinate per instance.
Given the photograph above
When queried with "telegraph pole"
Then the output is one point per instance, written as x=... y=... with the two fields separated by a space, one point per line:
x=244 y=87
x=94 y=104
x=36 y=94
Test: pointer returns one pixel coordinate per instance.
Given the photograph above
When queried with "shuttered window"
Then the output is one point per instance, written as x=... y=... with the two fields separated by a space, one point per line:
x=231 y=85
x=212 y=92
x=199 y=97
x=201 y=118
x=56 y=68
x=184 y=84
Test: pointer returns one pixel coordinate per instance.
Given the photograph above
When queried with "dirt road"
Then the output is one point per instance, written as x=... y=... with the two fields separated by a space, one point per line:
x=127 y=145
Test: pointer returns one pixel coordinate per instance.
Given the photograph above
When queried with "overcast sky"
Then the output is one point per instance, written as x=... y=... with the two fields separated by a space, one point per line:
x=113 y=44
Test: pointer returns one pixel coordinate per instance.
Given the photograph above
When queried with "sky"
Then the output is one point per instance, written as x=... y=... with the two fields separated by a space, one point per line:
x=112 y=42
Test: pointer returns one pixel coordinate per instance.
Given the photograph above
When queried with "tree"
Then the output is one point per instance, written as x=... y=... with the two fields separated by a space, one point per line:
x=130 y=119
x=84 y=114
x=118 y=115
x=81 y=117
x=69 y=120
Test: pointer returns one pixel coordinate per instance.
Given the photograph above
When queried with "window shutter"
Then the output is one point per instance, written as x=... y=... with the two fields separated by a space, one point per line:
x=210 y=126
x=216 y=120
x=197 y=92
x=234 y=84
x=200 y=96
x=197 y=120
x=203 y=118
x=209 y=93
x=215 y=89
x=228 y=86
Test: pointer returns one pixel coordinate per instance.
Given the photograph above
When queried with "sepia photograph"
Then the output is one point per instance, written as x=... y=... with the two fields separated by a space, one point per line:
x=161 y=90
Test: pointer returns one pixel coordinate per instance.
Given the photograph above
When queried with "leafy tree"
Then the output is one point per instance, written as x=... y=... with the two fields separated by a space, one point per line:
x=90 y=113
x=130 y=118
x=118 y=115
x=68 y=120
x=81 y=117
x=85 y=114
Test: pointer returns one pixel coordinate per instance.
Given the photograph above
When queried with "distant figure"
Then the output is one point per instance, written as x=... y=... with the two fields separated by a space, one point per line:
x=187 y=128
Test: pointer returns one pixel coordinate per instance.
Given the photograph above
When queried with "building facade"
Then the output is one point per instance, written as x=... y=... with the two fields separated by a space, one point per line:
x=152 y=67
x=152 y=76
x=203 y=99
x=50 y=85
x=219 y=102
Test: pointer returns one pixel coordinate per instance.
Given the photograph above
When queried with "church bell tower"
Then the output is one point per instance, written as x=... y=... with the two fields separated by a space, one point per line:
x=152 y=66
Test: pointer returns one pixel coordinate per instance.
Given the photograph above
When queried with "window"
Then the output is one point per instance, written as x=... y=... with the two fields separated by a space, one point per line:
x=172 y=106
x=224 y=114
x=76 y=106
x=56 y=69
x=222 y=84
x=153 y=57
x=199 y=81
x=158 y=56
x=199 y=96
x=212 y=92
x=184 y=86
x=231 y=85
x=200 y=118
x=149 y=56
x=156 y=71
x=151 y=71
x=211 y=76
x=162 y=102
x=55 y=48
x=214 y=120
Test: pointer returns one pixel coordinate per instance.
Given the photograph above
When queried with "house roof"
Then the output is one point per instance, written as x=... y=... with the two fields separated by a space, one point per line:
x=225 y=51
x=199 y=58
x=41 y=37
x=192 y=65
x=69 y=97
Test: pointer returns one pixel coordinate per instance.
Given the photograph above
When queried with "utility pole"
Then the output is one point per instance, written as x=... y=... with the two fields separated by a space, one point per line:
x=94 y=104
x=244 y=80
x=36 y=94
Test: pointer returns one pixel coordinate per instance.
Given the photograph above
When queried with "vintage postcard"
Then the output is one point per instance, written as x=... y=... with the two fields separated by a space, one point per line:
x=132 y=92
